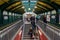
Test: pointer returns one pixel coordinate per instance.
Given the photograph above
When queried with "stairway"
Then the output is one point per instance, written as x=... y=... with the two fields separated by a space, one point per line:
x=25 y=35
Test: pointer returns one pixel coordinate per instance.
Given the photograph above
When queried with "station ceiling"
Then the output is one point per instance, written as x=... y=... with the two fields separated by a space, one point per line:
x=37 y=6
x=29 y=4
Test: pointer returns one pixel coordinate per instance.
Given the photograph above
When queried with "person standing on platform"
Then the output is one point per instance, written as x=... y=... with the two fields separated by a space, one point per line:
x=44 y=19
x=32 y=19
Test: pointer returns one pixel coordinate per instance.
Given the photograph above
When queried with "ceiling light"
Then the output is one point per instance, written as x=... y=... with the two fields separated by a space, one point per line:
x=23 y=7
x=29 y=8
x=35 y=6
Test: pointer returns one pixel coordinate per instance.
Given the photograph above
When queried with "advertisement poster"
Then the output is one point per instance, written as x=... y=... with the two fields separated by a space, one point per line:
x=53 y=17
x=48 y=18
x=5 y=17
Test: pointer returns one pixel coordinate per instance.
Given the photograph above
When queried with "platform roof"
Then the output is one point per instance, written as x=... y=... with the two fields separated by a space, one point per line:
x=37 y=6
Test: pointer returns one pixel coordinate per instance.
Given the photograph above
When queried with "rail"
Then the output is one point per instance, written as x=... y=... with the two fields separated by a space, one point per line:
x=52 y=32
x=9 y=32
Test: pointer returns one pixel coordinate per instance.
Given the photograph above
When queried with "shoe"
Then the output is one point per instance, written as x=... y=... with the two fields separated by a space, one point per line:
x=33 y=36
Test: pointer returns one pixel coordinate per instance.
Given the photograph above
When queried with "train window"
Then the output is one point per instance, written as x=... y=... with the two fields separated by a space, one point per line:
x=45 y=13
x=13 y=14
x=5 y=13
x=5 y=17
x=53 y=17
x=54 y=12
x=9 y=13
x=48 y=12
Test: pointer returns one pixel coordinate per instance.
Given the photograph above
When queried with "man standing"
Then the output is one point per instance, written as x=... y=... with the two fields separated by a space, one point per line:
x=33 y=24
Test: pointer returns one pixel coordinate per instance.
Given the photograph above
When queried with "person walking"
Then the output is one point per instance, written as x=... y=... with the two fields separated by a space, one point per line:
x=44 y=19
x=32 y=19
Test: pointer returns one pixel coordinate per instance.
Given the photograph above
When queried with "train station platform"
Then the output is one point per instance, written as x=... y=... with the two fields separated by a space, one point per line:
x=16 y=18
x=19 y=31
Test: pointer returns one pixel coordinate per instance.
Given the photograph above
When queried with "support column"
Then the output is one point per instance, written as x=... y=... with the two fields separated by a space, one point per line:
x=1 y=18
x=57 y=17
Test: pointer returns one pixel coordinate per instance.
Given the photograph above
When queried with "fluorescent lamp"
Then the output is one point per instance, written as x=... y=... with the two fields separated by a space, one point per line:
x=29 y=8
x=23 y=7
x=35 y=6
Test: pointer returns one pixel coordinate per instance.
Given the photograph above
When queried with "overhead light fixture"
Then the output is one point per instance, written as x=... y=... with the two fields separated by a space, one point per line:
x=29 y=8
x=24 y=1
x=35 y=6
x=9 y=13
x=23 y=7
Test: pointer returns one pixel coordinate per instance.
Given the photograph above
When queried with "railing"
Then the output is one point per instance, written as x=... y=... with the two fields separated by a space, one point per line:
x=52 y=32
x=18 y=35
x=8 y=33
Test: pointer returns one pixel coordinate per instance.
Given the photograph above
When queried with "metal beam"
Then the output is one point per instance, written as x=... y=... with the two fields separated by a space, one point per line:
x=13 y=5
x=16 y=7
x=45 y=5
x=53 y=5
x=42 y=7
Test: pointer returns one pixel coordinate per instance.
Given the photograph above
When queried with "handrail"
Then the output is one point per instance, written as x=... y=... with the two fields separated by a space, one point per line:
x=50 y=26
x=43 y=32
x=10 y=31
x=51 y=31
x=17 y=32
x=6 y=29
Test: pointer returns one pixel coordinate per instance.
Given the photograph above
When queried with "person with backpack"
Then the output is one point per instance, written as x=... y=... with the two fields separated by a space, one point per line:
x=32 y=19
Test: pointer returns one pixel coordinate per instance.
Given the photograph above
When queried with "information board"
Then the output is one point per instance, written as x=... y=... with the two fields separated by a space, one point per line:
x=5 y=17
